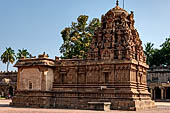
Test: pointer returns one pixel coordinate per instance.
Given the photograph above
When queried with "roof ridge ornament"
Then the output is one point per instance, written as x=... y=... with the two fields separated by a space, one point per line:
x=117 y=3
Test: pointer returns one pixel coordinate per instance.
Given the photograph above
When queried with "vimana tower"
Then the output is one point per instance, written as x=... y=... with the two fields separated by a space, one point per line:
x=113 y=74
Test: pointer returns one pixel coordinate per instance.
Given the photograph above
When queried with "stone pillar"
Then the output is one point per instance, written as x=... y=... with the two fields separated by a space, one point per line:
x=154 y=94
x=3 y=94
x=165 y=93
x=151 y=93
x=162 y=93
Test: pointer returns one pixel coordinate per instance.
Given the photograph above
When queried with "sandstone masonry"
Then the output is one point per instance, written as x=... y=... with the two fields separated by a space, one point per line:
x=114 y=73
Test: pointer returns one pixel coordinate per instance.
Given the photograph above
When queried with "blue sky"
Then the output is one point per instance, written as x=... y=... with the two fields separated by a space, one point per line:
x=36 y=24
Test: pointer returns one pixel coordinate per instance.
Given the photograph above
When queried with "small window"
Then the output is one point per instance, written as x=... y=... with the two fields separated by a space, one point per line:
x=30 y=85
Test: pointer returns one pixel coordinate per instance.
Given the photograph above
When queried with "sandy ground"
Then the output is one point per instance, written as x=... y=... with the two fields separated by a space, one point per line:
x=162 y=107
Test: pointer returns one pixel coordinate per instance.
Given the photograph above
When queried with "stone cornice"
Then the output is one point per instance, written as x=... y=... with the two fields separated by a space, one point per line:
x=35 y=62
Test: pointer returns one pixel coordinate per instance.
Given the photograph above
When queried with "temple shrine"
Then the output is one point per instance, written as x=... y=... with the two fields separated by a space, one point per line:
x=113 y=76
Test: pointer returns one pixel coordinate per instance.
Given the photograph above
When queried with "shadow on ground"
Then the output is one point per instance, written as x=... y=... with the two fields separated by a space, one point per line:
x=4 y=105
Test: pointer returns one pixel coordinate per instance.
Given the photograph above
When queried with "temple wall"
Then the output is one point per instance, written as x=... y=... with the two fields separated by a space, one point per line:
x=99 y=74
x=35 y=78
x=32 y=75
x=88 y=74
x=50 y=79
x=120 y=76
x=76 y=83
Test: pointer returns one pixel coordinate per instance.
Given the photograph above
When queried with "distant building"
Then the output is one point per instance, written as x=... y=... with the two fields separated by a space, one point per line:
x=159 y=83
x=8 y=83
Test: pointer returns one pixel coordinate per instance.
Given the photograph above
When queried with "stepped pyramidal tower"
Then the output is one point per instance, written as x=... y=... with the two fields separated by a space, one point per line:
x=114 y=73
x=117 y=39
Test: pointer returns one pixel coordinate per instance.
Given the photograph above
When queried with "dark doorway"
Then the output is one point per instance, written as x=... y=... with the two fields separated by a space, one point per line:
x=11 y=91
x=158 y=93
x=168 y=93
x=149 y=90
x=106 y=74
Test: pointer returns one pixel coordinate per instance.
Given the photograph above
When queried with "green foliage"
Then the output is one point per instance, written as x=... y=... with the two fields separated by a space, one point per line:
x=8 y=57
x=149 y=51
x=157 y=58
x=160 y=56
x=165 y=52
x=23 y=53
x=77 y=37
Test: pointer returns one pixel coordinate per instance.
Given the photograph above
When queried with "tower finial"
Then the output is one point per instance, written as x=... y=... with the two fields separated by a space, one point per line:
x=117 y=3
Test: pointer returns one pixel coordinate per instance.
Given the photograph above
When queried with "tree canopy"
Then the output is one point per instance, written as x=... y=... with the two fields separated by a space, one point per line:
x=23 y=53
x=156 y=56
x=8 y=57
x=77 y=37
x=149 y=51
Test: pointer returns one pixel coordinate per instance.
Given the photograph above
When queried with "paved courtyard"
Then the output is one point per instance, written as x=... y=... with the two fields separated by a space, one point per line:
x=162 y=107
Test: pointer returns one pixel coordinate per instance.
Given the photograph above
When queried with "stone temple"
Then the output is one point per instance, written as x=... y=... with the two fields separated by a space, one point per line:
x=112 y=76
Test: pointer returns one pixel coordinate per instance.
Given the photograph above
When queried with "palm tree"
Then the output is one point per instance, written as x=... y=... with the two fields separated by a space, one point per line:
x=8 y=57
x=23 y=53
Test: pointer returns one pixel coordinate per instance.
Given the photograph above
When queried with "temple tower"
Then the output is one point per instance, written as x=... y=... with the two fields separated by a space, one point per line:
x=117 y=38
x=117 y=41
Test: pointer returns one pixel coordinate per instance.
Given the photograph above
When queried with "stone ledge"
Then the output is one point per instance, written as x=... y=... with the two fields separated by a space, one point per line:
x=99 y=106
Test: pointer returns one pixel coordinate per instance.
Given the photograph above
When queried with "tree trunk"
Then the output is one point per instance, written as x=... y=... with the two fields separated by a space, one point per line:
x=7 y=66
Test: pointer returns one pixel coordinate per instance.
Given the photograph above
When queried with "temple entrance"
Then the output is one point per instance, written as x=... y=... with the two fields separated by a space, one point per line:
x=168 y=93
x=158 y=93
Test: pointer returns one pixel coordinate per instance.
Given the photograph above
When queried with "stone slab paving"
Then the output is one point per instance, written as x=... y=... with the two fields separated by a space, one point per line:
x=162 y=107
